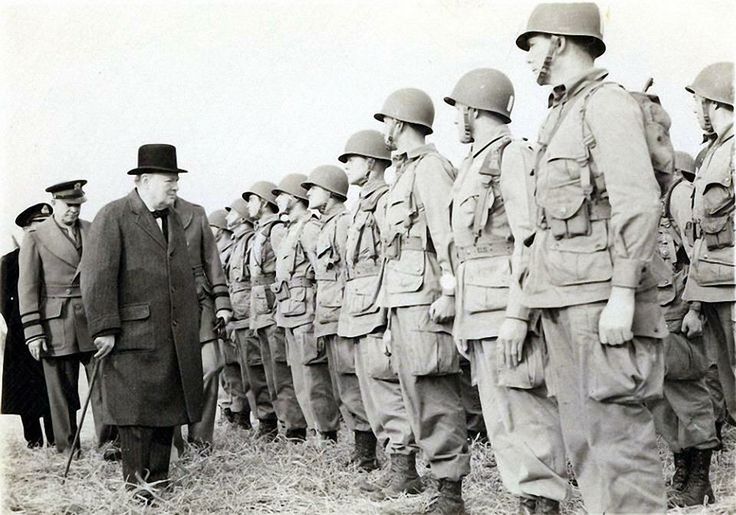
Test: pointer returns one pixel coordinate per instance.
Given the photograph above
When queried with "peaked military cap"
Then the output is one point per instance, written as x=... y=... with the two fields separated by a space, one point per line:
x=70 y=192
x=33 y=213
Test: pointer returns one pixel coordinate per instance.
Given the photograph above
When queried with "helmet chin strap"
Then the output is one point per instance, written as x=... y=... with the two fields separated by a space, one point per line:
x=707 y=123
x=467 y=132
x=390 y=137
x=543 y=75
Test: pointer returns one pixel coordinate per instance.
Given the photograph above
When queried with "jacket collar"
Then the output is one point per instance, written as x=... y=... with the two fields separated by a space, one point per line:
x=562 y=92
x=337 y=209
x=57 y=241
x=371 y=193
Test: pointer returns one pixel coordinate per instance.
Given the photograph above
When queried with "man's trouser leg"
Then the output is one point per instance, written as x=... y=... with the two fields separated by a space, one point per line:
x=471 y=401
x=429 y=374
x=254 y=373
x=212 y=363
x=104 y=433
x=62 y=383
x=317 y=380
x=145 y=452
x=381 y=393
x=341 y=361
x=720 y=317
x=601 y=392
x=523 y=427
x=285 y=403
x=32 y=430
x=232 y=377
x=296 y=356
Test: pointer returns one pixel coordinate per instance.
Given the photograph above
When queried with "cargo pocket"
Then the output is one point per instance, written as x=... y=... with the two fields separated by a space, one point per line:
x=684 y=359
x=296 y=303
x=377 y=359
x=715 y=267
x=252 y=349
x=528 y=374
x=631 y=373
x=432 y=354
x=262 y=299
x=52 y=308
x=136 y=330
x=718 y=232
x=406 y=274
x=313 y=351
x=486 y=285
x=363 y=294
x=277 y=344
x=343 y=354
x=580 y=260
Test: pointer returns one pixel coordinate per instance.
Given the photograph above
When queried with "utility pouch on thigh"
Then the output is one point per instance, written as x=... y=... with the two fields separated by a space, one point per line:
x=529 y=373
x=252 y=349
x=376 y=359
x=313 y=349
x=433 y=354
x=344 y=355
x=631 y=373
x=684 y=358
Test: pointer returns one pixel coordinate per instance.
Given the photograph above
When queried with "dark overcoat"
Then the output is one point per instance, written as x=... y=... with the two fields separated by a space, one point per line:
x=24 y=388
x=140 y=287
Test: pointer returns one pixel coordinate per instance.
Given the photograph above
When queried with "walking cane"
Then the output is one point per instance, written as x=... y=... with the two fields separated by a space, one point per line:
x=81 y=420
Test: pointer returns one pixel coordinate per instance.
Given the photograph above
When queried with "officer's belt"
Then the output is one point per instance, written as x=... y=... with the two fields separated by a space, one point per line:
x=58 y=290
x=263 y=280
x=412 y=243
x=490 y=249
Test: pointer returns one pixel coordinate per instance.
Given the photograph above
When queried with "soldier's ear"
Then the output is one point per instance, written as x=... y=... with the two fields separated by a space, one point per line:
x=370 y=163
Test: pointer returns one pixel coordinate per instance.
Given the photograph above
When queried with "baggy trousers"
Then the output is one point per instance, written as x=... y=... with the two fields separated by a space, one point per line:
x=341 y=361
x=720 y=317
x=278 y=375
x=312 y=379
x=212 y=364
x=382 y=398
x=254 y=373
x=145 y=452
x=523 y=427
x=601 y=392
x=471 y=400
x=429 y=375
x=233 y=384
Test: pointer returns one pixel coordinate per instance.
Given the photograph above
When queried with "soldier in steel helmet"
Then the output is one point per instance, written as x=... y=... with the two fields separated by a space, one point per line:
x=269 y=232
x=295 y=290
x=711 y=284
x=684 y=416
x=327 y=190
x=363 y=320
x=590 y=269
x=418 y=288
x=490 y=219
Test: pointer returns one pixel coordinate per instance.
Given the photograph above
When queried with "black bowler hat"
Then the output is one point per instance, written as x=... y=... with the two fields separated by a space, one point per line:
x=156 y=158
x=31 y=214
x=70 y=192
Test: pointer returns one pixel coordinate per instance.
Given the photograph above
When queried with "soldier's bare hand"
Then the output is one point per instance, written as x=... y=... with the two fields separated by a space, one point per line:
x=104 y=345
x=442 y=309
x=511 y=337
x=614 y=325
x=692 y=324
x=36 y=347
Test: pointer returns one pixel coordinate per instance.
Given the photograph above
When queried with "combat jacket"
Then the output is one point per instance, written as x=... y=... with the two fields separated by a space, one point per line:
x=225 y=248
x=490 y=220
x=262 y=263
x=329 y=269
x=597 y=203
x=238 y=275
x=712 y=276
x=48 y=288
x=294 y=287
x=361 y=313
x=417 y=236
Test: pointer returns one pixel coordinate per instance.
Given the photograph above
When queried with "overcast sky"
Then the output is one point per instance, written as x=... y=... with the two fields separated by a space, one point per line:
x=255 y=90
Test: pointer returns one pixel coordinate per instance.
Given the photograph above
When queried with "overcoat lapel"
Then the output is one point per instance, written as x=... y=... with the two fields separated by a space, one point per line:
x=53 y=238
x=144 y=219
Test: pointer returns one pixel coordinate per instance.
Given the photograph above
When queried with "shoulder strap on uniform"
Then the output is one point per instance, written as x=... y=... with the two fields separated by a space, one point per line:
x=490 y=173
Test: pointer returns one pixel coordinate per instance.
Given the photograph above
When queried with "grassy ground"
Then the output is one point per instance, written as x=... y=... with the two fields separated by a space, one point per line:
x=245 y=475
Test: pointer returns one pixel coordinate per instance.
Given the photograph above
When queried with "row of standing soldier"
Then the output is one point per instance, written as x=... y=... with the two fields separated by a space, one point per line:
x=541 y=268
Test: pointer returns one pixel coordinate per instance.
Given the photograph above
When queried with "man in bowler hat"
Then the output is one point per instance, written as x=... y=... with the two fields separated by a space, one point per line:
x=143 y=314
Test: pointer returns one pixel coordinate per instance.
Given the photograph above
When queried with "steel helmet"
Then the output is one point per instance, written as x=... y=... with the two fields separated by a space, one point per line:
x=409 y=105
x=217 y=218
x=292 y=184
x=684 y=162
x=240 y=207
x=565 y=19
x=332 y=178
x=485 y=89
x=368 y=143
x=263 y=189
x=715 y=82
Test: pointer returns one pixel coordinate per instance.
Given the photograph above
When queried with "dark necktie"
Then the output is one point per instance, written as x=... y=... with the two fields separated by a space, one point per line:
x=163 y=214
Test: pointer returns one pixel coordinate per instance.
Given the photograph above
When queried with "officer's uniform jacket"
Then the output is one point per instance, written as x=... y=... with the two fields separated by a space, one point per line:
x=712 y=274
x=597 y=203
x=295 y=287
x=238 y=275
x=209 y=275
x=490 y=221
x=262 y=263
x=361 y=313
x=329 y=269
x=48 y=288
x=417 y=237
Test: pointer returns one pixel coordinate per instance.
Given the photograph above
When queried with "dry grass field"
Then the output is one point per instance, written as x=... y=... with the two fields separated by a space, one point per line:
x=246 y=475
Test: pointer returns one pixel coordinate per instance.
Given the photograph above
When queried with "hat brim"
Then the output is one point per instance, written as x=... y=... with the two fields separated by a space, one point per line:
x=155 y=169
x=245 y=195
x=343 y=158
x=426 y=130
x=277 y=191
x=307 y=185
x=523 y=41
x=450 y=101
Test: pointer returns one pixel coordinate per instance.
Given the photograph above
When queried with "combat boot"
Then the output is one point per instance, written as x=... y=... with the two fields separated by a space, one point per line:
x=682 y=461
x=364 y=451
x=547 y=506
x=698 y=485
x=449 y=500
x=403 y=478
x=297 y=435
x=328 y=436
x=268 y=428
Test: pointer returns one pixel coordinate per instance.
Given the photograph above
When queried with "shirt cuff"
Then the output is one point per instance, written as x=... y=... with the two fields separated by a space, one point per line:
x=627 y=272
